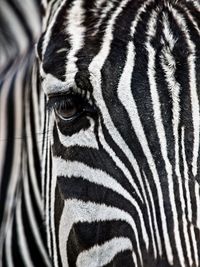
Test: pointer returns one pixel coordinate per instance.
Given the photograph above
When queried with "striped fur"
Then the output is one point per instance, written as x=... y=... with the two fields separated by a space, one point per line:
x=22 y=230
x=121 y=187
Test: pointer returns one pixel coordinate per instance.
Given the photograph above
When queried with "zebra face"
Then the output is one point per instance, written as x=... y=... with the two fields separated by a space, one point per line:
x=122 y=103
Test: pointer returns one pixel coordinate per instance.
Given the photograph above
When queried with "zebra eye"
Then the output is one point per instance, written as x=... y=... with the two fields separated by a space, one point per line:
x=66 y=112
x=68 y=108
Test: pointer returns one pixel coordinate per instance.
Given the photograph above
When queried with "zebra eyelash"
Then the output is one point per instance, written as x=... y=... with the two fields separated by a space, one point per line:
x=57 y=103
x=67 y=100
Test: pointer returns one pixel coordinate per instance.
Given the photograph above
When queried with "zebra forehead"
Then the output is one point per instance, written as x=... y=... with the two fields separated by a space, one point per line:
x=77 y=30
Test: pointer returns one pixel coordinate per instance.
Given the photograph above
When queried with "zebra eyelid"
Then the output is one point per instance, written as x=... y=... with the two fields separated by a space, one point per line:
x=56 y=99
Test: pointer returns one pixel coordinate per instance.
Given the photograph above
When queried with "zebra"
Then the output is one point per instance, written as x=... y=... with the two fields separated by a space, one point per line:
x=115 y=91
x=22 y=230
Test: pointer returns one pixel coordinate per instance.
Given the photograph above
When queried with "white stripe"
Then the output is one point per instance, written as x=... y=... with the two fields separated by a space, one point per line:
x=188 y=198
x=119 y=163
x=163 y=143
x=42 y=108
x=98 y=4
x=194 y=242
x=46 y=186
x=186 y=174
x=127 y=100
x=21 y=238
x=115 y=134
x=138 y=16
x=47 y=36
x=9 y=257
x=51 y=191
x=78 y=169
x=95 y=78
x=44 y=3
x=35 y=102
x=169 y=67
x=32 y=220
x=196 y=4
x=84 y=138
x=155 y=220
x=135 y=262
x=33 y=176
x=3 y=123
x=43 y=154
x=192 y=19
x=52 y=85
x=50 y=10
x=126 y=77
x=14 y=175
x=76 y=32
x=110 y=5
x=77 y=211
x=98 y=61
x=197 y=198
x=101 y=255
x=192 y=85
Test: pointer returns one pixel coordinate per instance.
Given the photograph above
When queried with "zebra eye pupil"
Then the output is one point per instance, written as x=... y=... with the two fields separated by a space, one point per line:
x=69 y=107
x=67 y=112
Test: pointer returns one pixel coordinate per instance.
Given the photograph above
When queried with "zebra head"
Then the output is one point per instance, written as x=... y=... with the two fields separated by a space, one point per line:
x=121 y=122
